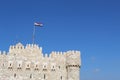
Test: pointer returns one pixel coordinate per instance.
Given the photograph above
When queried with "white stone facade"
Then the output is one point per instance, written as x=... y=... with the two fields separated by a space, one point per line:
x=29 y=63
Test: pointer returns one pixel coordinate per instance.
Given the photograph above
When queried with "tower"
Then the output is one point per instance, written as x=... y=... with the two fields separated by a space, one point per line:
x=29 y=63
x=73 y=63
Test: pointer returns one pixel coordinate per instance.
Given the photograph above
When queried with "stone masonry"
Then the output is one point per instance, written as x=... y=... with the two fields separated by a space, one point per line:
x=29 y=63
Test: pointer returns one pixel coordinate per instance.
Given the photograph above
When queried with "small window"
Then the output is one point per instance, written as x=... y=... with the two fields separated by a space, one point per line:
x=30 y=76
x=53 y=68
x=14 y=75
x=28 y=65
x=10 y=65
x=19 y=65
x=59 y=67
x=44 y=66
x=36 y=65
x=61 y=78
x=44 y=76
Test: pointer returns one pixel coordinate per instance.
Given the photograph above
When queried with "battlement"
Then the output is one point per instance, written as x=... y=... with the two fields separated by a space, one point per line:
x=20 y=46
x=33 y=47
x=72 y=52
x=3 y=53
x=21 y=60
x=17 y=46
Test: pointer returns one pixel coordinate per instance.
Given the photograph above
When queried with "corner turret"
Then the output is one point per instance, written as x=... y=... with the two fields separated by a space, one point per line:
x=73 y=63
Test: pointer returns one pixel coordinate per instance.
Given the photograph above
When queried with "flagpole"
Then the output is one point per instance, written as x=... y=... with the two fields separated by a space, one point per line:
x=35 y=24
x=33 y=40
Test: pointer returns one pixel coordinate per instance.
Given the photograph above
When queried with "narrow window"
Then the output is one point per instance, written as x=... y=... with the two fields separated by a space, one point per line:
x=59 y=67
x=61 y=78
x=10 y=64
x=53 y=68
x=44 y=76
x=14 y=75
x=44 y=66
x=30 y=76
x=36 y=65
x=27 y=65
x=19 y=65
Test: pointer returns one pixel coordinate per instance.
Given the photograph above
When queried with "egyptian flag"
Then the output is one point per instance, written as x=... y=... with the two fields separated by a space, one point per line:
x=38 y=24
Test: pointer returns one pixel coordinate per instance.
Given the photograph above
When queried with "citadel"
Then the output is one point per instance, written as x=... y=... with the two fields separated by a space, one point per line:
x=29 y=63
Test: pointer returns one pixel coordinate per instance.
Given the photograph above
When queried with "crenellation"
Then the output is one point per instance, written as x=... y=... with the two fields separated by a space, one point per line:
x=40 y=48
x=46 y=55
x=29 y=63
x=61 y=53
x=0 y=53
x=4 y=53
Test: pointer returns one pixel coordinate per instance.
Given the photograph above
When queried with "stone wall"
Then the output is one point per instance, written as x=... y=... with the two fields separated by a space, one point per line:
x=29 y=63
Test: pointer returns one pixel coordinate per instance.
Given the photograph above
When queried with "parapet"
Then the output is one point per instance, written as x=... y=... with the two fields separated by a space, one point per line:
x=18 y=46
x=56 y=54
x=73 y=58
x=25 y=49
x=3 y=53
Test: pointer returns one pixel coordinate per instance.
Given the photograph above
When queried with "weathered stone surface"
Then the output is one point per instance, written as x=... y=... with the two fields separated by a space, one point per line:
x=29 y=63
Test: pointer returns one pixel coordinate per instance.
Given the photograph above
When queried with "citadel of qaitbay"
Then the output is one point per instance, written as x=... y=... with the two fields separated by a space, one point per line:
x=29 y=63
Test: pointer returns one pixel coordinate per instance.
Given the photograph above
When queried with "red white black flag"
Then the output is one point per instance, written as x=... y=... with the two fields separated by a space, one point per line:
x=38 y=24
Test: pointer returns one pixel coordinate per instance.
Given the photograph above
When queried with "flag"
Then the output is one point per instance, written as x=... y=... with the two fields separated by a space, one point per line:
x=38 y=24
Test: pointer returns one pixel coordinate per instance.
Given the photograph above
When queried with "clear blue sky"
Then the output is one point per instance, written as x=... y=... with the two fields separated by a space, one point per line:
x=91 y=26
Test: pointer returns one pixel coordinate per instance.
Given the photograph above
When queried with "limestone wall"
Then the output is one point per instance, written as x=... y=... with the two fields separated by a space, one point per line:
x=29 y=63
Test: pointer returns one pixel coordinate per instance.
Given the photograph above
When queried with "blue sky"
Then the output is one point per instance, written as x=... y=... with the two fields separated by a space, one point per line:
x=91 y=26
